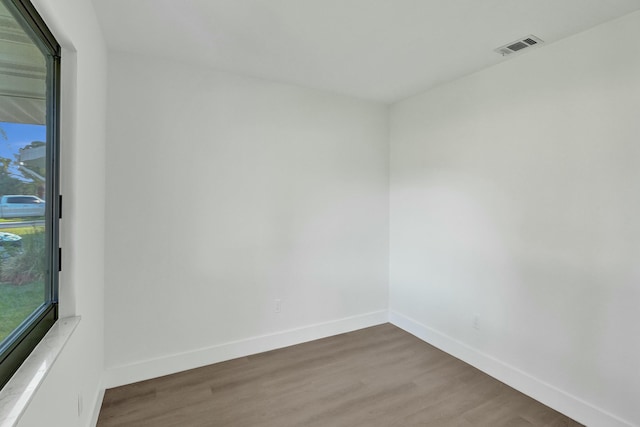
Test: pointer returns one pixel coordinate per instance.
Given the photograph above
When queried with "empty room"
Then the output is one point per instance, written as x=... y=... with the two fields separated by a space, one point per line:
x=319 y=213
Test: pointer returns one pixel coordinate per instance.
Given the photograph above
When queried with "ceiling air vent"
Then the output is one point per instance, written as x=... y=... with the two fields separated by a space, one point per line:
x=519 y=45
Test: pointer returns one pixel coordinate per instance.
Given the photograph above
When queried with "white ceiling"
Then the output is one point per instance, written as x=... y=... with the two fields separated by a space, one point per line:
x=383 y=50
x=22 y=74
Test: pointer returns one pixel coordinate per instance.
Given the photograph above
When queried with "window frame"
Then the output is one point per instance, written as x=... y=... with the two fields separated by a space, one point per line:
x=21 y=342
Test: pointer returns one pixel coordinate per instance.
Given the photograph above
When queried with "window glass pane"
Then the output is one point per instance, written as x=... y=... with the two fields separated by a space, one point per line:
x=23 y=182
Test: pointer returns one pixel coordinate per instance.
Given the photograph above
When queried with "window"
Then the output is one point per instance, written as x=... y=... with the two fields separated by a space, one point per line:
x=29 y=201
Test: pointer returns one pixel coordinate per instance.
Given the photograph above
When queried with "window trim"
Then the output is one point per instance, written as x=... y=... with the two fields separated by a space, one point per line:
x=21 y=342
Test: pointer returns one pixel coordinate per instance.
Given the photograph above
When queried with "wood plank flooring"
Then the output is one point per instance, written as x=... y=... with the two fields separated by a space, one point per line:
x=379 y=376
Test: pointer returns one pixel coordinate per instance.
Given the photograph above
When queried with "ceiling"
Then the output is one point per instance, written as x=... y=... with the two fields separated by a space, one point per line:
x=383 y=50
x=22 y=74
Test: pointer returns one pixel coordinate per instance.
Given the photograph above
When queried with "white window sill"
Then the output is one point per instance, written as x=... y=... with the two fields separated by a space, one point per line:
x=18 y=392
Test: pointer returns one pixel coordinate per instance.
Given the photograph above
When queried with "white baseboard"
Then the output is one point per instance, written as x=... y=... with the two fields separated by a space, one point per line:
x=551 y=396
x=97 y=404
x=153 y=368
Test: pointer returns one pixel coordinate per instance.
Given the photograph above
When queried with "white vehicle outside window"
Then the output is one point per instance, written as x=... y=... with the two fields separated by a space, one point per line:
x=21 y=206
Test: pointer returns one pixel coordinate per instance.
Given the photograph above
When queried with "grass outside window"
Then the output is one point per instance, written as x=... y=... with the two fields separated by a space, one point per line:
x=21 y=292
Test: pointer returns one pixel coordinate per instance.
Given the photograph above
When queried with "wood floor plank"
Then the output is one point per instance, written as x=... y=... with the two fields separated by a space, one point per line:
x=375 y=377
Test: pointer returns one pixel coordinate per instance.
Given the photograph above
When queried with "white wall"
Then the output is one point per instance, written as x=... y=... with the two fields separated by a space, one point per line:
x=225 y=193
x=78 y=372
x=515 y=197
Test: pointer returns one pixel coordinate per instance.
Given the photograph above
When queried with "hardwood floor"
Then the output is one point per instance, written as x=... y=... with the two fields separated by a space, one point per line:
x=379 y=376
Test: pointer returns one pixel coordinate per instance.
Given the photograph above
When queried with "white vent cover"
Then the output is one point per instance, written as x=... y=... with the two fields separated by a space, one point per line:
x=519 y=45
